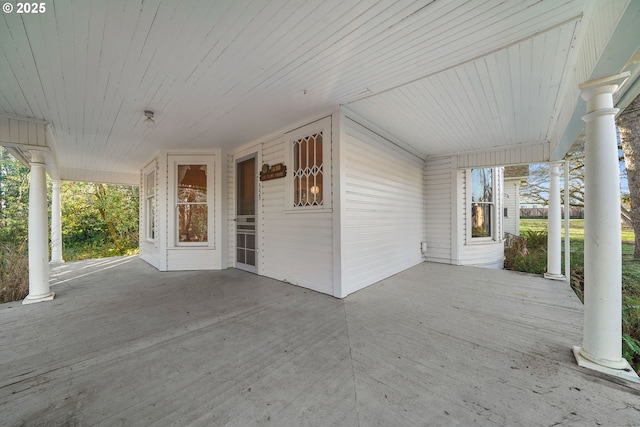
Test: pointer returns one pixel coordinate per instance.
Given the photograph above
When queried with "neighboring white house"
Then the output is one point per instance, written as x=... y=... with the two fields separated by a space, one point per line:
x=514 y=178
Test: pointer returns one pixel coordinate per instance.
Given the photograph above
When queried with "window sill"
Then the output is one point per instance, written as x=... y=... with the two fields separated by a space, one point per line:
x=307 y=209
x=482 y=241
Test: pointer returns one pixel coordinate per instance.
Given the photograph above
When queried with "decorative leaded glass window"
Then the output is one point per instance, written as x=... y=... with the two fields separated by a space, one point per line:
x=308 y=161
x=308 y=171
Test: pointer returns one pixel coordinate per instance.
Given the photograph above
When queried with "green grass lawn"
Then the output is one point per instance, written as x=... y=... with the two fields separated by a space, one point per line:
x=576 y=229
x=630 y=274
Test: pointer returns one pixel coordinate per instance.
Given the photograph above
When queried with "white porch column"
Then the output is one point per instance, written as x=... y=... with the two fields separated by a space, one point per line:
x=602 y=336
x=38 y=233
x=554 y=225
x=56 y=224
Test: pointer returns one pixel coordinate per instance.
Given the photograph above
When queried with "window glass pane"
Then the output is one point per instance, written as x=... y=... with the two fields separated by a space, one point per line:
x=300 y=184
x=192 y=183
x=296 y=155
x=151 y=216
x=150 y=184
x=315 y=190
x=318 y=150
x=150 y=193
x=246 y=187
x=251 y=241
x=240 y=255
x=481 y=220
x=251 y=258
x=192 y=223
x=482 y=185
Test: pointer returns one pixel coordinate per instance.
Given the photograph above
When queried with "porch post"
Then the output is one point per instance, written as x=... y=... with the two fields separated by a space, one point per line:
x=554 y=238
x=38 y=233
x=56 y=224
x=602 y=335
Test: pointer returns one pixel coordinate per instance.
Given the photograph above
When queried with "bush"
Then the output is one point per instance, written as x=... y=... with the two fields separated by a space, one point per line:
x=14 y=271
x=525 y=253
x=536 y=239
x=631 y=330
x=515 y=246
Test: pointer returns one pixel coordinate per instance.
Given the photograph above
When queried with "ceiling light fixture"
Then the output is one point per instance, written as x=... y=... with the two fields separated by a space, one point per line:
x=149 y=120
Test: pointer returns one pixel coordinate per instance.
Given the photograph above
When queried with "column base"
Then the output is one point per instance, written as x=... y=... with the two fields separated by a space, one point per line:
x=56 y=261
x=555 y=276
x=38 y=298
x=625 y=371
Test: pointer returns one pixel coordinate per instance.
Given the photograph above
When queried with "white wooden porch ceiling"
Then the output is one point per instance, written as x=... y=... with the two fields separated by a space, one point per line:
x=441 y=76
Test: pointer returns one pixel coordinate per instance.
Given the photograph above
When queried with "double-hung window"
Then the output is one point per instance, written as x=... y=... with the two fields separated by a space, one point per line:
x=150 y=202
x=482 y=203
x=193 y=215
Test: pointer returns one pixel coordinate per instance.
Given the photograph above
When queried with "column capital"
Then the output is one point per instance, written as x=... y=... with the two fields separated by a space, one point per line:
x=608 y=84
x=598 y=93
x=37 y=157
x=555 y=168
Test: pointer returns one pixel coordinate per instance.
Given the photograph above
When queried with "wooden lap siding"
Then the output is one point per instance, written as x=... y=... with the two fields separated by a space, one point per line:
x=383 y=222
x=439 y=192
x=296 y=247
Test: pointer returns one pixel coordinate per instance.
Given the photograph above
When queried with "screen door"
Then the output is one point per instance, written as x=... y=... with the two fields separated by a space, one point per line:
x=246 y=215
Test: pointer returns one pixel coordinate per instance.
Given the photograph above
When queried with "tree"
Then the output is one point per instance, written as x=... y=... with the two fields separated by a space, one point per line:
x=99 y=219
x=14 y=198
x=537 y=188
x=629 y=129
x=119 y=209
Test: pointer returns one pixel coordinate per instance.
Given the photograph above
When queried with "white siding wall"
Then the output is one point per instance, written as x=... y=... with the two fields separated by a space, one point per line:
x=296 y=247
x=511 y=199
x=231 y=210
x=150 y=251
x=383 y=205
x=440 y=199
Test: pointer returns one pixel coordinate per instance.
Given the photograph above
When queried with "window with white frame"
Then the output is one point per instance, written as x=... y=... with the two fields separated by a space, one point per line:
x=150 y=202
x=482 y=203
x=192 y=203
x=309 y=151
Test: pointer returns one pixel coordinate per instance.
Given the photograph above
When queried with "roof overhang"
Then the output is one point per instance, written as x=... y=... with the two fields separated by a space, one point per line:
x=618 y=56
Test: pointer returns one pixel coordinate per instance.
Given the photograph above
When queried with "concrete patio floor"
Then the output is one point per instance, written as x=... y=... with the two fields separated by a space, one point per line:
x=123 y=344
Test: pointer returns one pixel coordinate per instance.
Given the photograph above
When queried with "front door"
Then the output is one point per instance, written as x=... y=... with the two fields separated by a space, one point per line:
x=246 y=215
